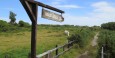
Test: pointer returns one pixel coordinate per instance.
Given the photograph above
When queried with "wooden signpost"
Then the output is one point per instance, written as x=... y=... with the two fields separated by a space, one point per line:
x=31 y=8
x=52 y=16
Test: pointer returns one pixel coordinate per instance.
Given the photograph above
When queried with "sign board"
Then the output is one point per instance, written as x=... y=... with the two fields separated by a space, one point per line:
x=52 y=16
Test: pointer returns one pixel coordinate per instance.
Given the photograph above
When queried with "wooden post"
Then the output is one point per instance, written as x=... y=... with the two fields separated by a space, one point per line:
x=71 y=44
x=6 y=56
x=29 y=55
x=68 y=44
x=57 y=50
x=34 y=32
x=31 y=9
x=47 y=56
x=63 y=48
x=102 y=54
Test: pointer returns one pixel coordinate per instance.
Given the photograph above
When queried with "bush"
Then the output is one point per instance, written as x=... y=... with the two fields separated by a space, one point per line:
x=82 y=37
x=109 y=26
x=3 y=26
x=107 y=41
x=6 y=27
x=23 y=24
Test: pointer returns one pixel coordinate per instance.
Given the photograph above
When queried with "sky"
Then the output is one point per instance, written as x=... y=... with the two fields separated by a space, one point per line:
x=77 y=12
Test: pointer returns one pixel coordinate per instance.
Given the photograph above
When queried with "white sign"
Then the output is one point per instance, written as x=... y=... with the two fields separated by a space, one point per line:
x=52 y=16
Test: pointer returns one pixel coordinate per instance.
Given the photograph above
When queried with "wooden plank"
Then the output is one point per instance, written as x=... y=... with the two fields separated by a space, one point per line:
x=52 y=16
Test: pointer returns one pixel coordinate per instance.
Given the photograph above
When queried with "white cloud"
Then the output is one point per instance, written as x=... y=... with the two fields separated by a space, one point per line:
x=80 y=20
x=62 y=4
x=103 y=7
x=102 y=12
x=68 y=6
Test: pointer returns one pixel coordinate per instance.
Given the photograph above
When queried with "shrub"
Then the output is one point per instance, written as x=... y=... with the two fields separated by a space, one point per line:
x=23 y=24
x=81 y=37
x=3 y=26
x=109 y=26
x=107 y=41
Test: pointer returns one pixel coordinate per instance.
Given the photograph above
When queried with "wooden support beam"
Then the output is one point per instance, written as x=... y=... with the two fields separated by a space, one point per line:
x=32 y=10
x=29 y=7
x=45 y=6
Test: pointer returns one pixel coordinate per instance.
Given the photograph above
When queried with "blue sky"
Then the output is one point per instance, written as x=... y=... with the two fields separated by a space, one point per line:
x=77 y=12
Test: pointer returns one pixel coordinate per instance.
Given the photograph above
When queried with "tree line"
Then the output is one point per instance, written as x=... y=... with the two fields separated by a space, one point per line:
x=108 y=26
x=12 y=25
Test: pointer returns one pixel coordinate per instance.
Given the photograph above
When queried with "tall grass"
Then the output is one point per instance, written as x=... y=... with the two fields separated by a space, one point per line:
x=107 y=41
x=17 y=45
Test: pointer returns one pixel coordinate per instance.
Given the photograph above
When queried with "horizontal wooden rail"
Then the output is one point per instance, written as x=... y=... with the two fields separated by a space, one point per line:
x=62 y=53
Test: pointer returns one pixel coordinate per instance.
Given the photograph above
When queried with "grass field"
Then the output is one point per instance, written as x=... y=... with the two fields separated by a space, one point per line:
x=17 y=45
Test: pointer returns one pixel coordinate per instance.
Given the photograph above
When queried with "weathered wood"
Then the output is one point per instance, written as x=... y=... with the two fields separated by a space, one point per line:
x=68 y=44
x=56 y=51
x=52 y=16
x=45 y=6
x=50 y=51
x=62 y=52
x=48 y=56
x=34 y=32
x=29 y=55
x=63 y=48
x=31 y=9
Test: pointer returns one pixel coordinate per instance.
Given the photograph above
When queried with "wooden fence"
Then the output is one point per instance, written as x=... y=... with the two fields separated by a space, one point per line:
x=64 y=48
x=53 y=53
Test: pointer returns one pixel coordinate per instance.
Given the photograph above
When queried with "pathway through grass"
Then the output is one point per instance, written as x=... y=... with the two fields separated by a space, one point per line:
x=91 y=52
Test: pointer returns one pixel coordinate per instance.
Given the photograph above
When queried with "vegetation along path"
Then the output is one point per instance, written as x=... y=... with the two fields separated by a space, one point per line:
x=93 y=44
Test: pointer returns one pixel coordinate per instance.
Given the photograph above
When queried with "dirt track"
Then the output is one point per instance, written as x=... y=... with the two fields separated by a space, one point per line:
x=93 y=43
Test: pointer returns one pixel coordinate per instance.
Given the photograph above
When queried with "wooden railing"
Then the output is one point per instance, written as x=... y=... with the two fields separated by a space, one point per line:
x=64 y=48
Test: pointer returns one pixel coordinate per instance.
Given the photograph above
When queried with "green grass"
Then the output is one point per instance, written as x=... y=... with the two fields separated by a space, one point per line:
x=17 y=44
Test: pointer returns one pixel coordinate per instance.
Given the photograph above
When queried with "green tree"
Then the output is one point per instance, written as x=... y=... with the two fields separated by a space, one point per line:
x=12 y=18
